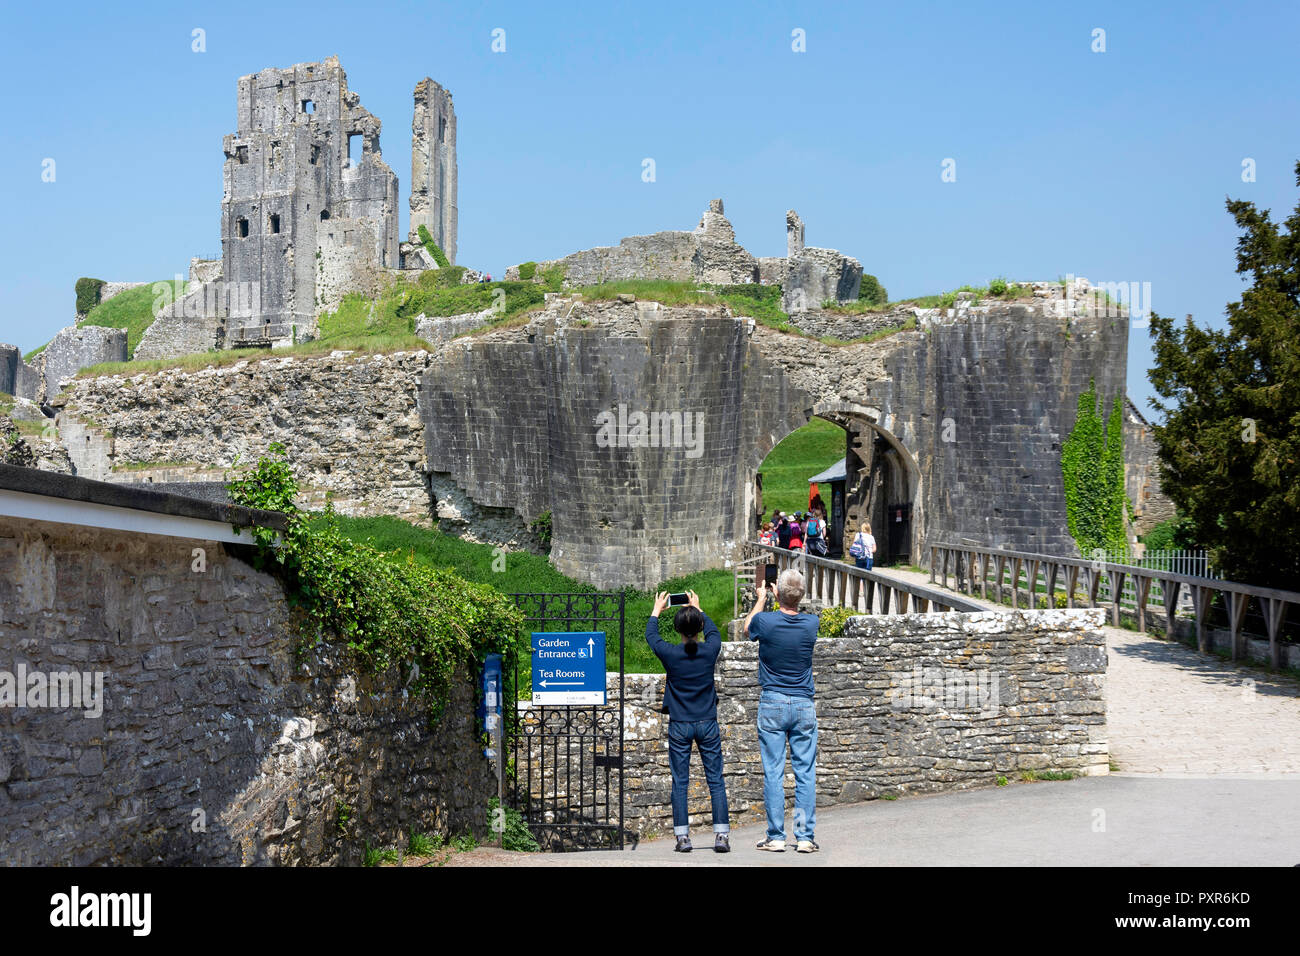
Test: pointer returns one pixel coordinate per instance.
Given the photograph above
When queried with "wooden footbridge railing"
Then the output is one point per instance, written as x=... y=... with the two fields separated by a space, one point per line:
x=1082 y=581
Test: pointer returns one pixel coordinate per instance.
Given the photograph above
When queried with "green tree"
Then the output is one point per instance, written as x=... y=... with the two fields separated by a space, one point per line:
x=1229 y=446
x=1092 y=472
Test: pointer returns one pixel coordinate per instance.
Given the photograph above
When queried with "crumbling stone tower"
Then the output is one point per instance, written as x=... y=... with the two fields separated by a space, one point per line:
x=310 y=207
x=433 y=166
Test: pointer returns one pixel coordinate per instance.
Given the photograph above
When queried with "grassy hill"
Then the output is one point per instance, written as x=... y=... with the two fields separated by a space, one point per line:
x=800 y=455
x=525 y=573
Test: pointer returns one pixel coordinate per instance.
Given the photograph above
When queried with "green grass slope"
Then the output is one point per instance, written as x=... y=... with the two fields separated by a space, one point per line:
x=800 y=455
x=531 y=573
x=134 y=310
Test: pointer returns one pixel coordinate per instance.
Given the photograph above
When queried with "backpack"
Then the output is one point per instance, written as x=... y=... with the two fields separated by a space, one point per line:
x=859 y=547
x=814 y=528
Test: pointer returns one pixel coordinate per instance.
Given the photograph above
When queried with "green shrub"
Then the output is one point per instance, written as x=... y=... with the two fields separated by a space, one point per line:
x=541 y=526
x=871 y=291
x=515 y=834
x=391 y=611
x=527 y=270
x=88 y=291
x=833 y=620
x=998 y=286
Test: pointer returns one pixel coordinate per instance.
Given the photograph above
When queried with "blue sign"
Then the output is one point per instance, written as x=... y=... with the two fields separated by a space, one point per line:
x=569 y=668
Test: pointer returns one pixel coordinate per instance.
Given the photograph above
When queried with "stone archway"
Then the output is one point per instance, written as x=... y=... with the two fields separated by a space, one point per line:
x=882 y=477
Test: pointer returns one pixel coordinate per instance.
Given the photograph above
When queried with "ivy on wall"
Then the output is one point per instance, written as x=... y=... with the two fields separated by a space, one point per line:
x=1092 y=470
x=88 y=291
x=391 y=611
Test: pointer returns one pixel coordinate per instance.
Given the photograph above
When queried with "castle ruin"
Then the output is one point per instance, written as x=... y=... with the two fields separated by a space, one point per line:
x=309 y=211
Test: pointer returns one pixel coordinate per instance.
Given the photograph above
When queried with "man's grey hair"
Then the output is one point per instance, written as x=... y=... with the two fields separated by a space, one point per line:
x=789 y=588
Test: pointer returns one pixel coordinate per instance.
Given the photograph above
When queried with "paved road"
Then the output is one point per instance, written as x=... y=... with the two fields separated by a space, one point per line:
x=1145 y=820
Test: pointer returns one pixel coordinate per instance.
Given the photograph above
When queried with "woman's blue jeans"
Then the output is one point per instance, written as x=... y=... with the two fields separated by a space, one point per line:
x=864 y=563
x=705 y=735
x=782 y=718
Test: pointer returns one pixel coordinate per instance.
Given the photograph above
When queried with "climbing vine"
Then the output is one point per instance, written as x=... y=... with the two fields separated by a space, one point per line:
x=391 y=611
x=1092 y=471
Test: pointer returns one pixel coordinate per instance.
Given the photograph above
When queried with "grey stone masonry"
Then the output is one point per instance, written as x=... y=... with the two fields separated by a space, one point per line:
x=1142 y=473
x=912 y=703
x=75 y=348
x=433 y=166
x=709 y=254
x=811 y=275
x=215 y=742
x=310 y=207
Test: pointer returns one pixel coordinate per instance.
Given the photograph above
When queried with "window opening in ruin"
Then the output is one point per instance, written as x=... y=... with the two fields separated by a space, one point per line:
x=308 y=106
x=241 y=155
x=275 y=223
x=355 y=145
x=442 y=128
x=241 y=228
x=324 y=214
x=315 y=154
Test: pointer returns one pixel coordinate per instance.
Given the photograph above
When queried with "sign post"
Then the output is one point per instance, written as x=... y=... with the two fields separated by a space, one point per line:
x=568 y=668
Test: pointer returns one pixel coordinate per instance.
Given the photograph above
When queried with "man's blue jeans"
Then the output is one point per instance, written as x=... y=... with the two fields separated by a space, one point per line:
x=706 y=736
x=782 y=717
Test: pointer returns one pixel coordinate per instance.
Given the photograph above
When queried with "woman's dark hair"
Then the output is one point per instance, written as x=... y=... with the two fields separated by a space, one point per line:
x=688 y=622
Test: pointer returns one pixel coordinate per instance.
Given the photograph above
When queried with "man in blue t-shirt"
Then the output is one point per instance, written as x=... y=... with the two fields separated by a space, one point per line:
x=786 y=712
x=691 y=701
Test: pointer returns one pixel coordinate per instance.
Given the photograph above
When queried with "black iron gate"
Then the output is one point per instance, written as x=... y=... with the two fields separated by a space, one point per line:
x=565 y=771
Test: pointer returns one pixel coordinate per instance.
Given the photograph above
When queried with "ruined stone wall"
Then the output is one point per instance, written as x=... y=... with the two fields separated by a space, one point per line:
x=983 y=400
x=1032 y=698
x=350 y=423
x=708 y=254
x=433 y=167
x=848 y=327
x=289 y=185
x=73 y=349
x=1142 y=473
x=214 y=746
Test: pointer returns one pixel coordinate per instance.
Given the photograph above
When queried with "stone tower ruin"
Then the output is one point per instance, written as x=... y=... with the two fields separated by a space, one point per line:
x=433 y=166
x=310 y=207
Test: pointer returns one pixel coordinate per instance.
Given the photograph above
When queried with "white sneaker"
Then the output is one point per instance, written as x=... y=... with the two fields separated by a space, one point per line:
x=776 y=846
x=807 y=846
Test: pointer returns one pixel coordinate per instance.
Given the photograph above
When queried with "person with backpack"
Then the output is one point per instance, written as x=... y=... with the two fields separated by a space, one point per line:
x=765 y=536
x=815 y=535
x=863 y=549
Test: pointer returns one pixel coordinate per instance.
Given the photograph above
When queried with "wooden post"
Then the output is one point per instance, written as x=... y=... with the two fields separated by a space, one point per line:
x=1201 y=598
x=1143 y=583
x=1274 y=610
x=1237 y=604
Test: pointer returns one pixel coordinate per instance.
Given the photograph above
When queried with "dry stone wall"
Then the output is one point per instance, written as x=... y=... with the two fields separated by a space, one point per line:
x=213 y=745
x=906 y=704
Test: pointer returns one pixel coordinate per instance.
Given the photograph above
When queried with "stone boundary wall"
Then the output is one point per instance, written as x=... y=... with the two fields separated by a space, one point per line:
x=350 y=423
x=1024 y=690
x=215 y=746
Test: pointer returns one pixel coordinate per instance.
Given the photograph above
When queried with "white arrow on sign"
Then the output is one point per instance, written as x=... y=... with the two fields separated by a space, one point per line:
x=591 y=647
x=565 y=683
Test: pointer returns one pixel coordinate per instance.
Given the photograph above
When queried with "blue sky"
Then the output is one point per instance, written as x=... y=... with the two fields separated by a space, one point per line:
x=1109 y=165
